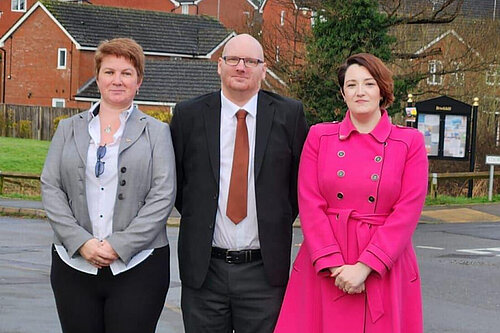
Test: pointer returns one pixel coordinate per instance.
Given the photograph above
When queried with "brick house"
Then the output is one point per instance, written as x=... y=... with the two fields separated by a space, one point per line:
x=240 y=15
x=285 y=24
x=11 y=11
x=47 y=56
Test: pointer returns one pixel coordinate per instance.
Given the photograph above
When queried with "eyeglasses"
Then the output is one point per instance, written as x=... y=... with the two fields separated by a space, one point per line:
x=99 y=165
x=248 y=62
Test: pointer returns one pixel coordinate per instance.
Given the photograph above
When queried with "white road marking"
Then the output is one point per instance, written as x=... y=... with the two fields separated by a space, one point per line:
x=483 y=251
x=430 y=247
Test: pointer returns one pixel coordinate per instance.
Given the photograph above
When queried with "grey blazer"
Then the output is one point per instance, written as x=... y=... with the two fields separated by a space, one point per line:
x=146 y=185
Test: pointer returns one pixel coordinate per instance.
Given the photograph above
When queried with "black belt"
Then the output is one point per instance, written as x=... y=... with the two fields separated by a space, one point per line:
x=236 y=257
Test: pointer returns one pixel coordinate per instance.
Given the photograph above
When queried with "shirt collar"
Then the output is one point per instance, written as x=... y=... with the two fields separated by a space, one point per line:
x=230 y=109
x=380 y=132
x=94 y=111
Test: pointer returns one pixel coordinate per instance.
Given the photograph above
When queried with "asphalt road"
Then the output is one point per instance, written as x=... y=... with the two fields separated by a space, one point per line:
x=459 y=263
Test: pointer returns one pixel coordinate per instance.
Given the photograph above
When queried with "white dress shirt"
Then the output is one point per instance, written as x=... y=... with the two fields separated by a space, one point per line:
x=101 y=194
x=244 y=235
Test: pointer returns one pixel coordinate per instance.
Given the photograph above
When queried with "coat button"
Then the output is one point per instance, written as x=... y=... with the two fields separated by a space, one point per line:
x=123 y=182
x=121 y=196
x=123 y=169
x=341 y=173
x=341 y=153
x=378 y=159
x=371 y=198
x=214 y=197
x=340 y=195
x=374 y=177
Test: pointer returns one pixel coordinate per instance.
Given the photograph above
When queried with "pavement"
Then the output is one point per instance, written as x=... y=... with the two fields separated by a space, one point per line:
x=487 y=212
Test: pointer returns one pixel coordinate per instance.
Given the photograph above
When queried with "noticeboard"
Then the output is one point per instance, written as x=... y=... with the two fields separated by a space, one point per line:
x=445 y=124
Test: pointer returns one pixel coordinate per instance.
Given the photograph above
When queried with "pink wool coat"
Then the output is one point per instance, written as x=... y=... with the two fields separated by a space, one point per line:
x=360 y=198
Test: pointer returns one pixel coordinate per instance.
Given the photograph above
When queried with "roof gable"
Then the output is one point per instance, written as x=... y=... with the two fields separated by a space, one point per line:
x=157 y=32
x=450 y=32
x=297 y=4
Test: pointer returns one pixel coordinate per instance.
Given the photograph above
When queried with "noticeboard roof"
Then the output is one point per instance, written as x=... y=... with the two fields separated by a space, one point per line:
x=443 y=104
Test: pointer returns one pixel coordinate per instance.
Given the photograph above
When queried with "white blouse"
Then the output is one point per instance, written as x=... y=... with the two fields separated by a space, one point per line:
x=101 y=195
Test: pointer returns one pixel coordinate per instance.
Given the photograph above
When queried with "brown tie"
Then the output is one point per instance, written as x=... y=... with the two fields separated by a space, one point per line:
x=238 y=187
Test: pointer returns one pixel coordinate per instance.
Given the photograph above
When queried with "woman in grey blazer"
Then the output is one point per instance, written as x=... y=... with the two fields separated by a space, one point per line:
x=108 y=187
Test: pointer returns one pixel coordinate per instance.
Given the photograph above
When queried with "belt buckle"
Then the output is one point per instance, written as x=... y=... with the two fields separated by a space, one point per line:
x=229 y=258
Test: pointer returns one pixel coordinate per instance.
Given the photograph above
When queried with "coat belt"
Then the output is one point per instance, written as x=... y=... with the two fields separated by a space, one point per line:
x=373 y=284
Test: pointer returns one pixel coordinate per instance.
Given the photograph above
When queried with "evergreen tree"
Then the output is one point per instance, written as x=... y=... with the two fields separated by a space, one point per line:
x=341 y=28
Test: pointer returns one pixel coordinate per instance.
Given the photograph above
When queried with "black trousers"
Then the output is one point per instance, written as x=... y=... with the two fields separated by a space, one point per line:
x=233 y=297
x=130 y=302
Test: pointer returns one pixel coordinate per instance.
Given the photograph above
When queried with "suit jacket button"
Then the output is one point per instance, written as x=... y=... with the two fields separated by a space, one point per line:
x=341 y=153
x=371 y=198
x=374 y=177
x=121 y=196
x=340 y=195
x=123 y=182
x=123 y=169
x=341 y=173
x=378 y=159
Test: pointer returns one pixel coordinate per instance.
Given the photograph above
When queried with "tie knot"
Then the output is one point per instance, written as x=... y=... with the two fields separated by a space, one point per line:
x=241 y=114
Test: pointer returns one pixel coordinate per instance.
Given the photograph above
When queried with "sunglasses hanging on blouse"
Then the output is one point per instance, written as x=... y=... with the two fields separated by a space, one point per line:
x=99 y=165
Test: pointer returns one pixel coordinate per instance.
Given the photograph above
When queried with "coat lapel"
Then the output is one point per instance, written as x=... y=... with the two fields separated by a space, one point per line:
x=265 y=115
x=81 y=134
x=133 y=129
x=211 y=116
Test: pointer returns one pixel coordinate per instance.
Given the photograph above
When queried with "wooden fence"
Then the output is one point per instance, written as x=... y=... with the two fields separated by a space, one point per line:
x=434 y=177
x=31 y=122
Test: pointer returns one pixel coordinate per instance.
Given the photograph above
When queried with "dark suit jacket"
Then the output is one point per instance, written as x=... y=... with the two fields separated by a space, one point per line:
x=280 y=133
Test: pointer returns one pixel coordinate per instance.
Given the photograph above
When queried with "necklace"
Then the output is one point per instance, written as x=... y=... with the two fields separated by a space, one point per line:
x=108 y=129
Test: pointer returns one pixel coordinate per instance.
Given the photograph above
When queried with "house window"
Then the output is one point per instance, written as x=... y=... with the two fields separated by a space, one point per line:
x=277 y=53
x=185 y=9
x=282 y=20
x=61 y=58
x=18 y=5
x=58 y=102
x=458 y=76
x=493 y=75
x=435 y=67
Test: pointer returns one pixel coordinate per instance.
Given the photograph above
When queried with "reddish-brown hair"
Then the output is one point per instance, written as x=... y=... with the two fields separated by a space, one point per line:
x=121 y=47
x=379 y=71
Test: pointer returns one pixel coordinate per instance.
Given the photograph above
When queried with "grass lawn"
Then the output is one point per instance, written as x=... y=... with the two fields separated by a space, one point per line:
x=22 y=155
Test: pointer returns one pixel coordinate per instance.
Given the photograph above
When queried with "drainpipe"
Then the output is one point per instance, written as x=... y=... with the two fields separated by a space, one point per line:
x=4 y=61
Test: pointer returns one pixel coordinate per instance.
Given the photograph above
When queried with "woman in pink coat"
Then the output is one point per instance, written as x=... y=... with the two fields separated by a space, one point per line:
x=362 y=185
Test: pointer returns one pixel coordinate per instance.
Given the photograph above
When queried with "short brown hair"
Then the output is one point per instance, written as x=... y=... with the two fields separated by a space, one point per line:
x=379 y=71
x=121 y=47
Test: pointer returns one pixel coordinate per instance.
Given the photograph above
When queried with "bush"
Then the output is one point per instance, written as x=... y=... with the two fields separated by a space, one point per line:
x=24 y=129
x=161 y=115
x=57 y=120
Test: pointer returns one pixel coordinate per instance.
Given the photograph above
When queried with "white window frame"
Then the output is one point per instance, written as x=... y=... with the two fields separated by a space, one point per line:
x=282 y=18
x=435 y=67
x=458 y=76
x=492 y=75
x=55 y=101
x=62 y=55
x=15 y=5
x=185 y=9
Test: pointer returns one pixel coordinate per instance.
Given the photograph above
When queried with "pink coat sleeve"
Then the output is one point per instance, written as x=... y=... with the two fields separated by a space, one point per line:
x=394 y=236
x=318 y=234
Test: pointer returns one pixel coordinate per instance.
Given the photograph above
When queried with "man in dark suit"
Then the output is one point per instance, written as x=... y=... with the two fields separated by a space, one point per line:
x=237 y=154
